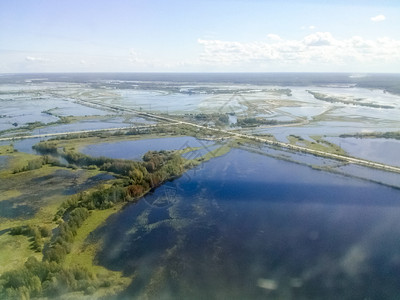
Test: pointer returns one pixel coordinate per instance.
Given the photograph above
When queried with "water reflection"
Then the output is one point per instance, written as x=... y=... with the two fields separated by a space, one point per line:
x=245 y=226
x=380 y=150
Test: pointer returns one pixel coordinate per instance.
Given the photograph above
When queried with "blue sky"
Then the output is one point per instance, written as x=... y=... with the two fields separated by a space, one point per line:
x=199 y=36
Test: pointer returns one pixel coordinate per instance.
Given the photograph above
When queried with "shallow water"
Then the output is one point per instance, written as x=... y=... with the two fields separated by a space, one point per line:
x=38 y=191
x=137 y=148
x=89 y=183
x=387 y=178
x=246 y=226
x=322 y=128
x=24 y=108
x=75 y=109
x=3 y=161
x=156 y=101
x=380 y=150
x=113 y=122
x=24 y=145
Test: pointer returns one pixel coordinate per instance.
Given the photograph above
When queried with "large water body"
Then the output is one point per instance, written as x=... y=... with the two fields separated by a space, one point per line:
x=246 y=226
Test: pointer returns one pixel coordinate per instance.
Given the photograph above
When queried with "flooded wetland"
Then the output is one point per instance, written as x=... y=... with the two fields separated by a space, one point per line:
x=195 y=186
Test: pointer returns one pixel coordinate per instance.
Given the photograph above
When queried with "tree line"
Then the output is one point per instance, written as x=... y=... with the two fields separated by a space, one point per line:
x=50 y=278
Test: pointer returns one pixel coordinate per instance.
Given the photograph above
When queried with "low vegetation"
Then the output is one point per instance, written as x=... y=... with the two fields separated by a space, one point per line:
x=36 y=233
x=34 y=125
x=7 y=149
x=318 y=144
x=218 y=120
x=337 y=99
x=383 y=135
x=47 y=279
x=37 y=163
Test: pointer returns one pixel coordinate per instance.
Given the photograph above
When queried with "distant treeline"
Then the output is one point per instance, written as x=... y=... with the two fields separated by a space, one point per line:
x=159 y=130
x=334 y=99
x=253 y=122
x=388 y=82
x=385 y=135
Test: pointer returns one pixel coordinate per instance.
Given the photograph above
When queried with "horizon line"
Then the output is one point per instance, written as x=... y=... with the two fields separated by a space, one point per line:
x=199 y=72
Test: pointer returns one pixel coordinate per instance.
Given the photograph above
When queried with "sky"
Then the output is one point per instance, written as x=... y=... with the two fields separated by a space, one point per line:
x=200 y=36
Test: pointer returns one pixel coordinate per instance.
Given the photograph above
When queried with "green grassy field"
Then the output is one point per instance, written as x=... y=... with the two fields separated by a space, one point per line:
x=318 y=144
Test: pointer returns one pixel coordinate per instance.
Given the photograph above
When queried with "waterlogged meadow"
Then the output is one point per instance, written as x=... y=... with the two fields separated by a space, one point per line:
x=148 y=191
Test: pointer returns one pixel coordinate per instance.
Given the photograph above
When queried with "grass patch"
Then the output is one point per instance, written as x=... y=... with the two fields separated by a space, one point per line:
x=14 y=250
x=6 y=150
x=79 y=143
x=346 y=100
x=374 y=135
x=17 y=160
x=216 y=153
x=9 y=194
x=83 y=252
x=318 y=144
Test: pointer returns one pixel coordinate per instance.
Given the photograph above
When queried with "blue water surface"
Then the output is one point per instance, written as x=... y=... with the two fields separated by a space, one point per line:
x=246 y=226
x=137 y=148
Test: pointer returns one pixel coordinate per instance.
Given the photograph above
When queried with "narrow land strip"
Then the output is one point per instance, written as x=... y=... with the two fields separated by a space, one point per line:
x=171 y=121
x=17 y=137
x=348 y=159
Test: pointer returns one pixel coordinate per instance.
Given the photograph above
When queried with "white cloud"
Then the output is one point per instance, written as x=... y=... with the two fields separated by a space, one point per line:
x=137 y=61
x=319 y=39
x=378 y=18
x=310 y=27
x=313 y=50
x=135 y=58
x=35 y=59
x=274 y=37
